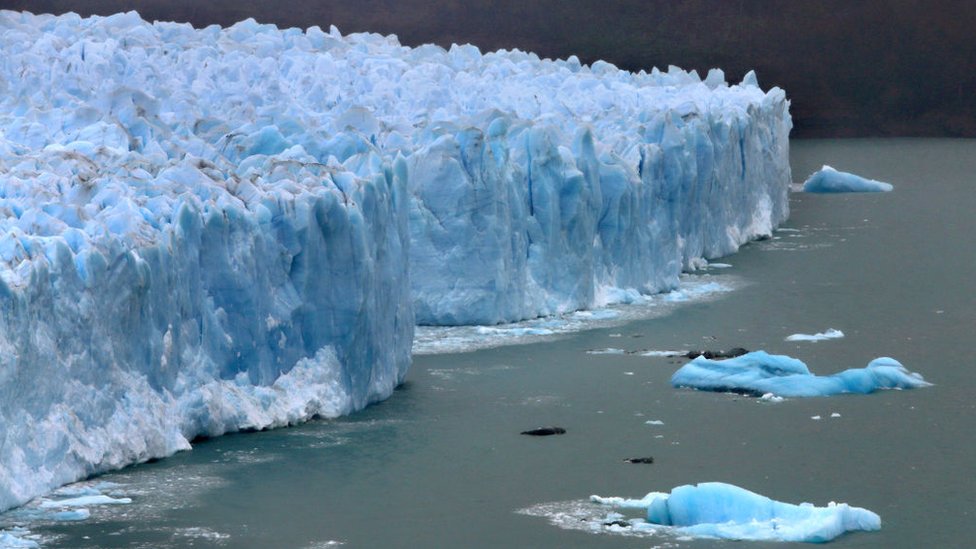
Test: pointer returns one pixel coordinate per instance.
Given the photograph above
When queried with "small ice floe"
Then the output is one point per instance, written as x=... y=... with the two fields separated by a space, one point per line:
x=596 y=314
x=771 y=397
x=829 y=180
x=607 y=351
x=68 y=503
x=653 y=352
x=815 y=418
x=758 y=373
x=17 y=538
x=83 y=501
x=720 y=510
x=654 y=422
x=819 y=336
x=834 y=414
x=688 y=293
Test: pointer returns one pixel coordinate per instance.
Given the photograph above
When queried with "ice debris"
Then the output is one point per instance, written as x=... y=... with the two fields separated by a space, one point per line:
x=819 y=336
x=17 y=538
x=759 y=373
x=720 y=510
x=829 y=180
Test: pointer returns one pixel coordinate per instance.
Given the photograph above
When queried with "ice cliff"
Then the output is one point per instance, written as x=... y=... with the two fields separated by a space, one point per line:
x=174 y=262
x=574 y=182
x=206 y=230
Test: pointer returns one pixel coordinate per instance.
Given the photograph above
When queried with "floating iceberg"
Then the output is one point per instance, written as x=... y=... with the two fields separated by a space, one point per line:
x=207 y=230
x=829 y=180
x=831 y=333
x=760 y=373
x=719 y=510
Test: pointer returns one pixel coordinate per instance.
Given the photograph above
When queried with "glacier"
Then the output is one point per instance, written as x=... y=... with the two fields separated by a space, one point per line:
x=217 y=229
x=721 y=510
x=589 y=181
x=761 y=373
x=829 y=180
x=173 y=266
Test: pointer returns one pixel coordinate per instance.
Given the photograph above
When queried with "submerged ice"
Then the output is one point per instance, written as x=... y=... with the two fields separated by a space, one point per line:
x=207 y=230
x=761 y=373
x=829 y=180
x=720 y=510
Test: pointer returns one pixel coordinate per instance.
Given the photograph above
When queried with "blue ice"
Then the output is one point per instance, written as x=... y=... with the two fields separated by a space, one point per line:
x=759 y=372
x=829 y=180
x=233 y=227
x=720 y=510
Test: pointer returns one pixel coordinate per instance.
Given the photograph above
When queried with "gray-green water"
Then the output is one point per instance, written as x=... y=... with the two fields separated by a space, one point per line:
x=441 y=464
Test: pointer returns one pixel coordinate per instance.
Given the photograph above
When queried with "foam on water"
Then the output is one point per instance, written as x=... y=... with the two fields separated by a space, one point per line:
x=454 y=339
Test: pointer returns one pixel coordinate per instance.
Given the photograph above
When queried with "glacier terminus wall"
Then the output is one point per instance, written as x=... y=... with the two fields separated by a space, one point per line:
x=209 y=230
x=562 y=185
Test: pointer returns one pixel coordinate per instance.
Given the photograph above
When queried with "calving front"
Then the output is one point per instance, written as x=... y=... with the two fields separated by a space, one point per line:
x=209 y=230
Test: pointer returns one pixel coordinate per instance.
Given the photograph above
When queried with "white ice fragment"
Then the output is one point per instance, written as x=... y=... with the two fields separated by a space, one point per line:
x=607 y=351
x=831 y=333
x=654 y=422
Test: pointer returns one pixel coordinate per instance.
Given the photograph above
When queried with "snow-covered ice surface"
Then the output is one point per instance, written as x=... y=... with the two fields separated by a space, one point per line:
x=831 y=333
x=829 y=180
x=207 y=230
x=720 y=510
x=761 y=373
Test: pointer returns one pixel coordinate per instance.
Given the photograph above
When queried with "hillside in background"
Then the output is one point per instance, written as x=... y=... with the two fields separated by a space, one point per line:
x=851 y=68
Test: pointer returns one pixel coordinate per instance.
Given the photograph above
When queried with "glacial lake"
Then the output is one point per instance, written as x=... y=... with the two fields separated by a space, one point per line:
x=442 y=463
